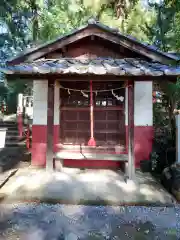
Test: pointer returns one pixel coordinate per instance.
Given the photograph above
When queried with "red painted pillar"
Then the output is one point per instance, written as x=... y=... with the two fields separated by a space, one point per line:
x=92 y=141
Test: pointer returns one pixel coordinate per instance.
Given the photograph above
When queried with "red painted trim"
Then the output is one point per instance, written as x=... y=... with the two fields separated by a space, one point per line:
x=92 y=164
x=143 y=141
x=39 y=145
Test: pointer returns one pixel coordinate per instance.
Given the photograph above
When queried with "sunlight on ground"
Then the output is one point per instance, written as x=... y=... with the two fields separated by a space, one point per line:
x=146 y=191
x=93 y=177
x=91 y=185
x=130 y=186
x=16 y=184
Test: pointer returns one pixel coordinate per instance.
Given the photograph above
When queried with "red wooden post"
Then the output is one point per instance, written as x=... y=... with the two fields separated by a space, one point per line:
x=131 y=163
x=92 y=141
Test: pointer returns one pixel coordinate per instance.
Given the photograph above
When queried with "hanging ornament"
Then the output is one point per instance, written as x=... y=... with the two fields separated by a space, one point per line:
x=121 y=98
x=84 y=94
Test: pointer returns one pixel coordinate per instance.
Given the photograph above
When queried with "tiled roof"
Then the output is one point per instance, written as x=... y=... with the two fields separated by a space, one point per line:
x=100 y=66
x=97 y=24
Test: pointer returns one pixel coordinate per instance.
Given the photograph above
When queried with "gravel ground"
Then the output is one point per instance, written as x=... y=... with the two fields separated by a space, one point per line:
x=72 y=222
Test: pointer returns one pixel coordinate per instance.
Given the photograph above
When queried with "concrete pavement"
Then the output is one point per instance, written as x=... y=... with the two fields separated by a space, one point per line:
x=92 y=187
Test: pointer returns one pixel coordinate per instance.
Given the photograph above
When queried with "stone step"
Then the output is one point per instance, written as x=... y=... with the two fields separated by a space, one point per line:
x=8 y=124
x=11 y=156
x=9 y=128
x=14 y=138
x=10 y=151
x=15 y=143
x=12 y=133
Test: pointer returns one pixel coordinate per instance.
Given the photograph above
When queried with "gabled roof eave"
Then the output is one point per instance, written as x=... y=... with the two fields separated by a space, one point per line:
x=145 y=48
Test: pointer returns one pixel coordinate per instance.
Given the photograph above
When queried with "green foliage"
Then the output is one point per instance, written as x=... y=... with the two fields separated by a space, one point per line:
x=138 y=21
x=166 y=32
x=176 y=31
x=160 y=33
x=61 y=18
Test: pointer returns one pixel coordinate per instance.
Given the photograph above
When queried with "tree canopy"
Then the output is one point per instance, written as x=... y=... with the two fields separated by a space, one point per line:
x=24 y=23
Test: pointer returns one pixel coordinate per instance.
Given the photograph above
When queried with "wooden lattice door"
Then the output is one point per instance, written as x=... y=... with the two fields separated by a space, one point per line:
x=109 y=117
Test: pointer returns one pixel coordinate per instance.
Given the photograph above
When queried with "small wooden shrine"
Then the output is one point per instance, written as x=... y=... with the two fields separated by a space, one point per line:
x=92 y=97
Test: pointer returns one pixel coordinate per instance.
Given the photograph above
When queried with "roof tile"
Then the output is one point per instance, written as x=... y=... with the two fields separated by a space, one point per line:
x=99 y=66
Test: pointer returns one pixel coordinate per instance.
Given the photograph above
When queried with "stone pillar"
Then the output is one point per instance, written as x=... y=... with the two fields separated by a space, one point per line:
x=39 y=127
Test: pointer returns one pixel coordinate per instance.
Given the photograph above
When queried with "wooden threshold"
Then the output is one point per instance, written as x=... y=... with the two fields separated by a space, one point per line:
x=91 y=156
x=80 y=148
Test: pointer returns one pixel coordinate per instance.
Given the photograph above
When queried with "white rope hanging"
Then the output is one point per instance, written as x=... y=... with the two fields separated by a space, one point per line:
x=95 y=91
x=121 y=98
x=84 y=92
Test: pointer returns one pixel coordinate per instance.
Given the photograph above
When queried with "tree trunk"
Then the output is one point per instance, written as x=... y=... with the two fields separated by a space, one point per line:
x=35 y=23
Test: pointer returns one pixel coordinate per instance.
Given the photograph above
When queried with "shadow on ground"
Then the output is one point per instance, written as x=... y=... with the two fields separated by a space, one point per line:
x=13 y=157
x=90 y=187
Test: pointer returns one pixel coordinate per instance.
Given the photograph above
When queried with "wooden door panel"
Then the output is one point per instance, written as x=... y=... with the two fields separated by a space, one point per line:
x=109 y=118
